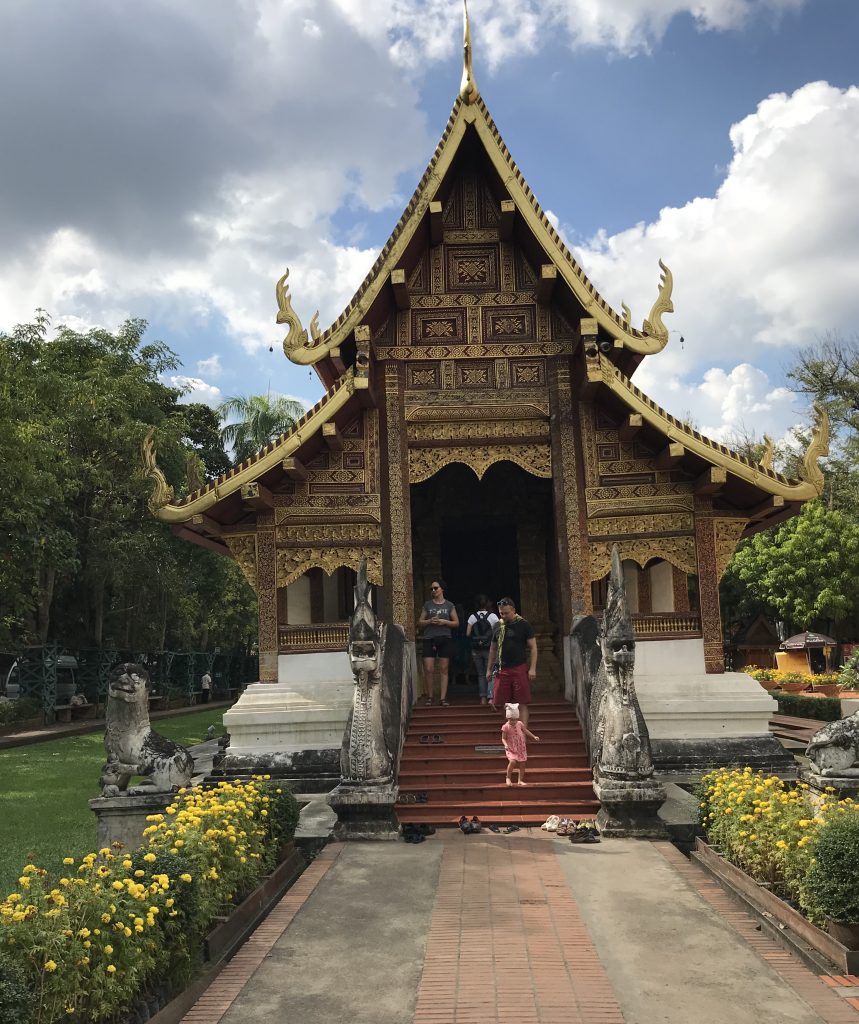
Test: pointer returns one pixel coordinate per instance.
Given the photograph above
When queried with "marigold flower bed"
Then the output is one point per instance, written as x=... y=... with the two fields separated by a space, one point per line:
x=90 y=938
x=769 y=829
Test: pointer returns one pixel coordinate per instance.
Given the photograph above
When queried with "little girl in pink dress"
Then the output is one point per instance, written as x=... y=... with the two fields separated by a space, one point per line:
x=513 y=734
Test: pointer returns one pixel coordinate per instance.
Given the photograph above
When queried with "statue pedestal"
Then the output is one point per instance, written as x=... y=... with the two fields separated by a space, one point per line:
x=631 y=809
x=365 y=811
x=818 y=784
x=293 y=729
x=122 y=819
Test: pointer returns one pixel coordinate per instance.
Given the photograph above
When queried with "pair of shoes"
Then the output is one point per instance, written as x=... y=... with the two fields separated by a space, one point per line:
x=493 y=828
x=585 y=832
x=444 y=703
x=511 y=828
x=431 y=738
x=551 y=823
x=467 y=827
x=413 y=834
x=407 y=798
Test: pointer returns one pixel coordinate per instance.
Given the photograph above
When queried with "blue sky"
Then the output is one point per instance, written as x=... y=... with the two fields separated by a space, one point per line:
x=171 y=160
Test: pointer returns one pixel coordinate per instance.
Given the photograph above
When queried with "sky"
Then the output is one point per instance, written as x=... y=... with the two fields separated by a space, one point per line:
x=169 y=160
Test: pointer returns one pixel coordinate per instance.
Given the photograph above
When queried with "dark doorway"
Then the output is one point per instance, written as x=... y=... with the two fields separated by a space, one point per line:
x=480 y=558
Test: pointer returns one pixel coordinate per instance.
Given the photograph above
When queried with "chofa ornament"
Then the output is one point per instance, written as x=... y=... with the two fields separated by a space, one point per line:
x=296 y=336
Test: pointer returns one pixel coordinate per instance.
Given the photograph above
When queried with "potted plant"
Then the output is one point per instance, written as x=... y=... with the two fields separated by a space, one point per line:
x=830 y=891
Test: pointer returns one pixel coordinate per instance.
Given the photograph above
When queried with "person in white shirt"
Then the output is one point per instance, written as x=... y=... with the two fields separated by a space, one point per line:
x=206 y=687
x=479 y=630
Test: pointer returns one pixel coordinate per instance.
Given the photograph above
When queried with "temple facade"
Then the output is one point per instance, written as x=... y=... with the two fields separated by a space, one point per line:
x=481 y=422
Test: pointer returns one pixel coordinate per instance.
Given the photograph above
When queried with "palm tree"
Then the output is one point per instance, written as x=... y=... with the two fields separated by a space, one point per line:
x=257 y=420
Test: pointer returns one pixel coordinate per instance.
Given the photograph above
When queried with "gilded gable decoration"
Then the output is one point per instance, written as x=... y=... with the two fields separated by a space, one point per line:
x=818 y=448
x=468 y=87
x=727 y=534
x=243 y=548
x=295 y=562
x=653 y=325
x=162 y=492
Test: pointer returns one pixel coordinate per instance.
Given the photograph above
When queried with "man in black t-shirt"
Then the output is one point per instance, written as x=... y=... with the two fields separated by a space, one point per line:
x=514 y=651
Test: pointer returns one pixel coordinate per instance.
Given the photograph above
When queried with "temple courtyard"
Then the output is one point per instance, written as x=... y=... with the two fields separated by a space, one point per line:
x=523 y=927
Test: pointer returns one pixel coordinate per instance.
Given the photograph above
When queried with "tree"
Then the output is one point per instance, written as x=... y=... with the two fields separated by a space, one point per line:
x=804 y=571
x=259 y=419
x=83 y=560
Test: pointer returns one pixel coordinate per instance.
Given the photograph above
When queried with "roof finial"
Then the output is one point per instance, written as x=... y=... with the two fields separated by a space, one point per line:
x=468 y=89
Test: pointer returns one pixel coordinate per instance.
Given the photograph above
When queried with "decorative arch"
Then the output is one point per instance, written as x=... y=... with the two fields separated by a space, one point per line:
x=679 y=551
x=295 y=562
x=535 y=459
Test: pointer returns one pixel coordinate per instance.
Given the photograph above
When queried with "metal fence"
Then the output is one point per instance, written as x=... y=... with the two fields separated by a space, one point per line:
x=50 y=675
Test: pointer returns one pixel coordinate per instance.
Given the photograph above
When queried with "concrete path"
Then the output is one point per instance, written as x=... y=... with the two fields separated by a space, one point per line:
x=524 y=928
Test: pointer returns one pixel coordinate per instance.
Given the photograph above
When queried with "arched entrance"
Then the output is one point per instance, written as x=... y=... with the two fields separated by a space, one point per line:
x=493 y=535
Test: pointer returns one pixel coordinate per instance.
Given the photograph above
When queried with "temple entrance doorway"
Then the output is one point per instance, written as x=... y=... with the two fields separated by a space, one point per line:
x=492 y=536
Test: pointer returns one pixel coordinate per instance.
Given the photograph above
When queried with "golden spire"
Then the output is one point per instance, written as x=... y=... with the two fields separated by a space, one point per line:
x=468 y=89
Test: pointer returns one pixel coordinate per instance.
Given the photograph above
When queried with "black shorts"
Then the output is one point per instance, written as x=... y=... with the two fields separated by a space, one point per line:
x=438 y=647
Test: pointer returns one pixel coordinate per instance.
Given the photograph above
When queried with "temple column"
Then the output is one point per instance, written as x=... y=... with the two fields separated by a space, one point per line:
x=708 y=585
x=397 y=593
x=681 y=589
x=570 y=525
x=267 y=598
x=645 y=600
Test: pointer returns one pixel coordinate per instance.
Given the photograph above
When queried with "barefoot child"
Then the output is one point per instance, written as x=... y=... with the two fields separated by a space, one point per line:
x=513 y=734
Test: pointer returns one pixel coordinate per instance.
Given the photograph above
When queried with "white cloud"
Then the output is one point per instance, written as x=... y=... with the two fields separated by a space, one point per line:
x=198 y=390
x=769 y=263
x=417 y=31
x=211 y=366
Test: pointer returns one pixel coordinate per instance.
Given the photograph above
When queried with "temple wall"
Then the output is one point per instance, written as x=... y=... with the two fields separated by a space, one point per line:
x=661 y=587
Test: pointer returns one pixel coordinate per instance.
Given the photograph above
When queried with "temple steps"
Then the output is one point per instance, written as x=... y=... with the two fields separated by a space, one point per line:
x=464 y=773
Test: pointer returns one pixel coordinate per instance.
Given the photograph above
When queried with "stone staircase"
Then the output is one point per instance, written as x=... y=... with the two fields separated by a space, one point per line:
x=464 y=774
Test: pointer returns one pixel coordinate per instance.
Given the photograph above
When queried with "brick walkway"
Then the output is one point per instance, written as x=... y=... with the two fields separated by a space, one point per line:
x=222 y=993
x=506 y=942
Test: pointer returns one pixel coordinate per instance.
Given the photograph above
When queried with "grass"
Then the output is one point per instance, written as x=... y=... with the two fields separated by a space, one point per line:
x=44 y=810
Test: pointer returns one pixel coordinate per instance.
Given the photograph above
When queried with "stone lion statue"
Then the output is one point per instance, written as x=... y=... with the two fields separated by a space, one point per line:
x=132 y=747
x=834 y=749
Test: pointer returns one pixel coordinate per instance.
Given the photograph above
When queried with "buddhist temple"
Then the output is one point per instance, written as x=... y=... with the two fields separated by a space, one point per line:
x=480 y=421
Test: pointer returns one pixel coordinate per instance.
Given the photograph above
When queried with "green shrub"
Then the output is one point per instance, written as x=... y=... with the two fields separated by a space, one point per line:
x=19 y=710
x=15 y=994
x=849 y=676
x=830 y=891
x=283 y=811
x=827 y=709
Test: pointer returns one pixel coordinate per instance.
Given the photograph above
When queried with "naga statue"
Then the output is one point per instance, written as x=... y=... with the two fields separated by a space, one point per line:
x=364 y=757
x=619 y=742
x=833 y=751
x=132 y=747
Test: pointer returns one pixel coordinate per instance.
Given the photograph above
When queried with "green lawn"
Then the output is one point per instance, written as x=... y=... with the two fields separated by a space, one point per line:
x=45 y=788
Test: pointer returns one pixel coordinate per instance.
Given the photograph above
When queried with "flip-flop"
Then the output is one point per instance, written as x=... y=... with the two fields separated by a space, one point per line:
x=437 y=739
x=422 y=798
x=511 y=828
x=425 y=738
x=493 y=828
x=551 y=823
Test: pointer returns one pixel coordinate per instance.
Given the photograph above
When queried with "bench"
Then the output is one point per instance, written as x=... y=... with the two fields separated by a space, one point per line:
x=66 y=712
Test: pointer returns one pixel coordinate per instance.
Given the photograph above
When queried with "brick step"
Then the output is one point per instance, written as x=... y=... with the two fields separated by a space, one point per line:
x=454 y=750
x=547 y=708
x=413 y=781
x=465 y=793
x=495 y=813
x=415 y=762
x=488 y=717
x=493 y=736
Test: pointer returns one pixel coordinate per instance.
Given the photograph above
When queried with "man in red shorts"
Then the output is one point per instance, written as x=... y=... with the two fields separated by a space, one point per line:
x=514 y=650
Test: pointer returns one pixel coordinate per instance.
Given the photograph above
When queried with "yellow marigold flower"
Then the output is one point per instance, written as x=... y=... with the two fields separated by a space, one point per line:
x=50 y=966
x=116 y=884
x=186 y=877
x=139 y=873
x=110 y=969
x=781 y=844
x=108 y=950
x=24 y=882
x=84 y=933
x=68 y=860
x=149 y=857
x=169 y=903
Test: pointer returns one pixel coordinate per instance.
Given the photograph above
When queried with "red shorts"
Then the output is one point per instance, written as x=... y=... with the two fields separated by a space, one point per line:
x=511 y=686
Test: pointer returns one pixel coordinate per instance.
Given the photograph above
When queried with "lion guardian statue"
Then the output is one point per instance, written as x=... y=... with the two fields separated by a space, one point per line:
x=132 y=747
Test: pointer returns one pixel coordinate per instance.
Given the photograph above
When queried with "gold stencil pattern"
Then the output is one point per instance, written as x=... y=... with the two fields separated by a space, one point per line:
x=243 y=547
x=728 y=533
x=294 y=562
x=679 y=551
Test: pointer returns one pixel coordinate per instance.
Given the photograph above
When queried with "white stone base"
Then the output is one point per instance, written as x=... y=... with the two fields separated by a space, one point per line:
x=306 y=709
x=679 y=700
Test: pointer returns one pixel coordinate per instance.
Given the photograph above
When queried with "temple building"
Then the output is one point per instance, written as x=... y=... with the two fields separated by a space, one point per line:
x=480 y=421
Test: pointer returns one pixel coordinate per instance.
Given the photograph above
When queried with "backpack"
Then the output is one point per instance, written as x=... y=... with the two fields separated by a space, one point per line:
x=481 y=632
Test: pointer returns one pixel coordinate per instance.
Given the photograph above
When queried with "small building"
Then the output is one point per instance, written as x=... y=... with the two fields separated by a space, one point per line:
x=481 y=421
